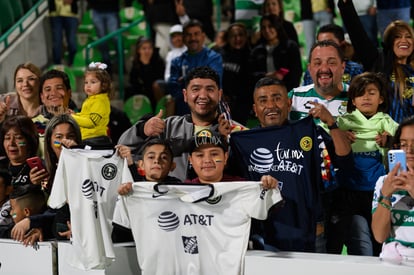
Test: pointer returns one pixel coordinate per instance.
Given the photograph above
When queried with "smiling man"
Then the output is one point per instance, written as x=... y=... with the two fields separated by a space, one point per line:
x=55 y=92
x=271 y=102
x=335 y=33
x=196 y=55
x=202 y=93
x=326 y=67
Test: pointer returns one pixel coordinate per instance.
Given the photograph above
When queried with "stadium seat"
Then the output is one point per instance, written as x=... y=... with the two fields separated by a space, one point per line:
x=127 y=18
x=301 y=34
x=86 y=24
x=131 y=36
x=7 y=16
x=82 y=39
x=136 y=106
x=79 y=63
x=161 y=105
x=292 y=10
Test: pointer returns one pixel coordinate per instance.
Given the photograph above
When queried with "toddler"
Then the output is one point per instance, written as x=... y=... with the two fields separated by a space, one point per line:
x=93 y=118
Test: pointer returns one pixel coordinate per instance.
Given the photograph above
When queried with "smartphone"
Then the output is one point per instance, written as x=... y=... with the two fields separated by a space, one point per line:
x=223 y=107
x=35 y=162
x=397 y=156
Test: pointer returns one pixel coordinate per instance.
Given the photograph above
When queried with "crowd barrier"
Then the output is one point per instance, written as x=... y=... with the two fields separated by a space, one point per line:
x=18 y=259
x=49 y=258
x=295 y=263
x=125 y=263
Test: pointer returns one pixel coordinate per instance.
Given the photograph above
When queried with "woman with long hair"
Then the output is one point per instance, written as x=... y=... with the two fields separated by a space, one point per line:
x=236 y=88
x=276 y=56
x=395 y=59
x=62 y=130
x=26 y=83
x=147 y=68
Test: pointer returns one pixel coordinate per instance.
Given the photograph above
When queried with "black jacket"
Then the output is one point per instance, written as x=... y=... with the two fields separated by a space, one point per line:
x=285 y=55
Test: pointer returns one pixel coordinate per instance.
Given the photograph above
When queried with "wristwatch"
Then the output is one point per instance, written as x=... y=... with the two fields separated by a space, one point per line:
x=333 y=126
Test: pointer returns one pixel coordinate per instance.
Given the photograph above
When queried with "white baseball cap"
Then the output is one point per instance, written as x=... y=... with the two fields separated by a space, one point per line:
x=176 y=29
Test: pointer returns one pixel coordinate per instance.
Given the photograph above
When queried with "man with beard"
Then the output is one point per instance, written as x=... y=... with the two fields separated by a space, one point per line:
x=336 y=34
x=326 y=67
x=202 y=94
x=196 y=55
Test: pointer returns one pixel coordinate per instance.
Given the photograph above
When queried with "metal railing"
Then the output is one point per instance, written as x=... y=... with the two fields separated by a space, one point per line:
x=12 y=34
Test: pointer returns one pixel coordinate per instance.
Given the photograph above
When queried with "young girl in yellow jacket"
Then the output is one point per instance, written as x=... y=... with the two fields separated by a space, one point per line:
x=93 y=118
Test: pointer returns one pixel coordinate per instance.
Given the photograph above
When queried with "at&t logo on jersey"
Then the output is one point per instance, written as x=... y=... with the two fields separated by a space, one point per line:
x=168 y=221
x=262 y=160
x=90 y=189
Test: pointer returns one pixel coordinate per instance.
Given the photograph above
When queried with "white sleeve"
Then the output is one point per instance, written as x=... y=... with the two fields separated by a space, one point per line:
x=58 y=195
x=254 y=200
x=184 y=19
x=261 y=201
x=377 y=192
x=167 y=71
x=126 y=174
x=120 y=213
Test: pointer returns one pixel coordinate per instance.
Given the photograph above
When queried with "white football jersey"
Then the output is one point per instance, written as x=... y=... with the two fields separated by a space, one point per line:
x=178 y=231
x=88 y=181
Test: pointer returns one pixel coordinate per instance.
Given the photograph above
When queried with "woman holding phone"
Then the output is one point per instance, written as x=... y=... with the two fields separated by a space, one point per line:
x=62 y=130
x=393 y=203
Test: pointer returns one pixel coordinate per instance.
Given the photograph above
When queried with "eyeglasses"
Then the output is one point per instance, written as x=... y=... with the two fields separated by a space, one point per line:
x=407 y=147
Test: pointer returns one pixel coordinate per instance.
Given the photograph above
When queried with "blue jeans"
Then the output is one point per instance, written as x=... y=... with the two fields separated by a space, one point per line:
x=69 y=25
x=309 y=29
x=352 y=231
x=385 y=17
x=105 y=23
x=322 y=18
